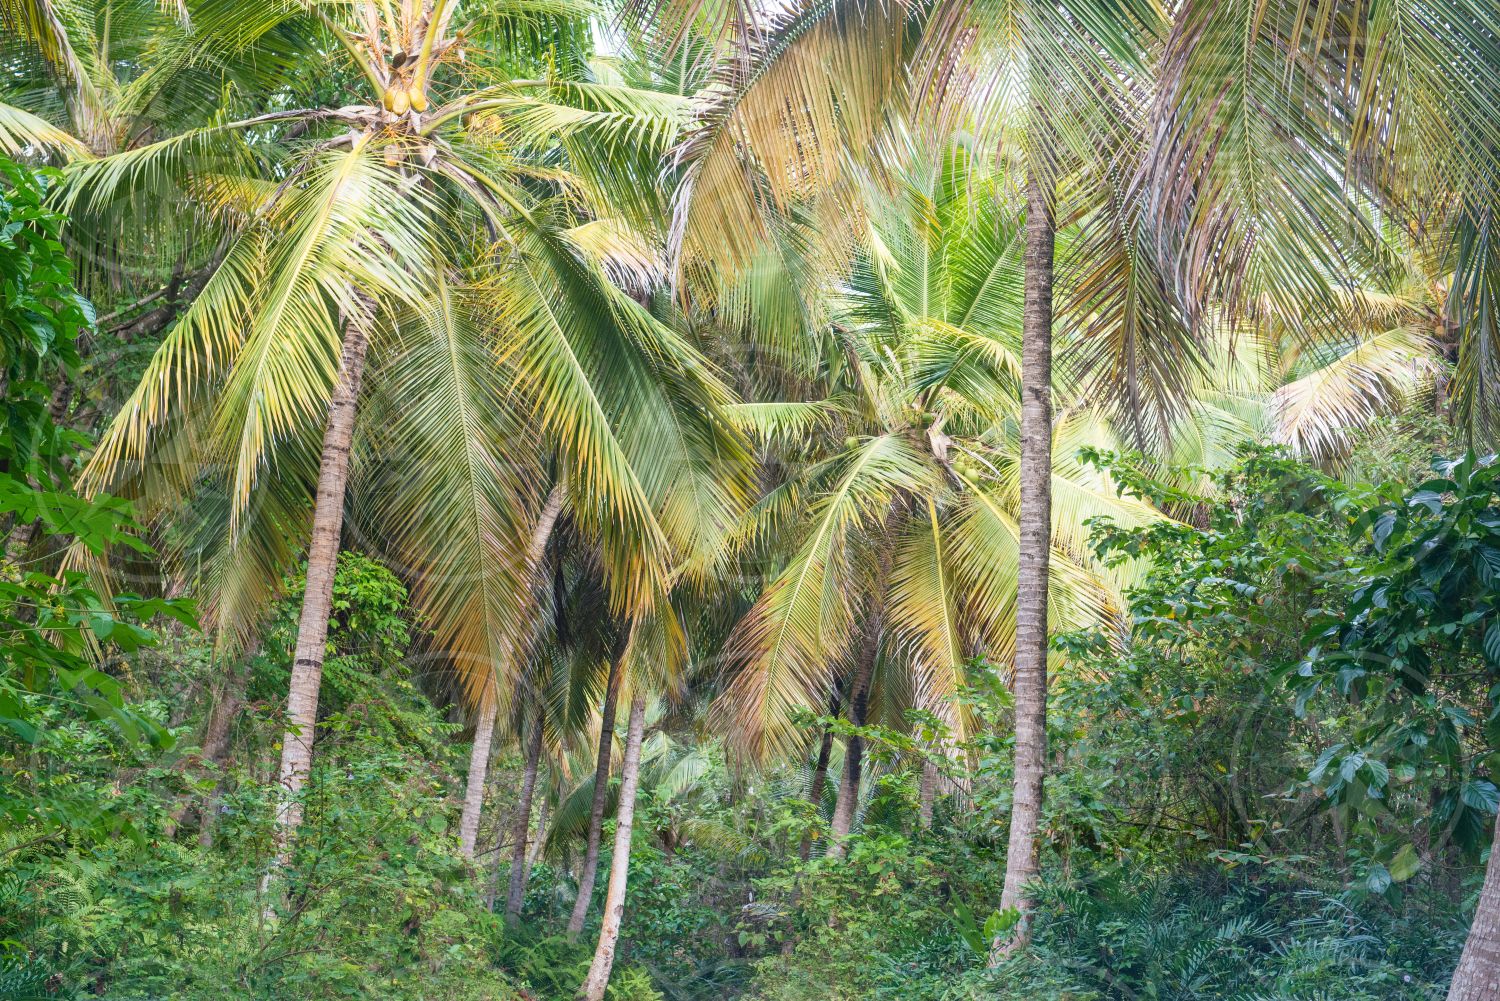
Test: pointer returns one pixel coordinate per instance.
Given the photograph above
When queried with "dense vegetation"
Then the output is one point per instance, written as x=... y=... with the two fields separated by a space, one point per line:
x=958 y=499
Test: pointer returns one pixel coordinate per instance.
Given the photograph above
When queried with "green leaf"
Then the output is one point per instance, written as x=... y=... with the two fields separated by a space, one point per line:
x=1481 y=795
x=1405 y=865
x=1487 y=564
x=1492 y=644
x=1000 y=922
x=1429 y=499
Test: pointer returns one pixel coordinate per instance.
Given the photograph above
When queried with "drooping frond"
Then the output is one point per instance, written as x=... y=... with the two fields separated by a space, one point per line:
x=21 y=132
x=46 y=26
x=924 y=608
x=822 y=79
x=633 y=407
x=1133 y=348
x=448 y=487
x=1316 y=413
x=614 y=137
x=984 y=557
x=785 y=647
x=1474 y=304
x=783 y=421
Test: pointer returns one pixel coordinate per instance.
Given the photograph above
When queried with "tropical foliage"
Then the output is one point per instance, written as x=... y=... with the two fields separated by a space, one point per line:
x=558 y=499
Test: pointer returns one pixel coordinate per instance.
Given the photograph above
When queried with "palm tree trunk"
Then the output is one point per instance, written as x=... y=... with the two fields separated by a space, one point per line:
x=859 y=706
x=479 y=755
x=926 y=794
x=322 y=561
x=1030 y=684
x=619 y=870
x=538 y=842
x=601 y=790
x=819 y=775
x=517 y=891
x=479 y=761
x=1478 y=975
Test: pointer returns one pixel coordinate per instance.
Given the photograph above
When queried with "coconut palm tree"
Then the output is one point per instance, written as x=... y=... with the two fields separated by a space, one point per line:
x=892 y=529
x=99 y=76
x=653 y=659
x=432 y=227
x=808 y=89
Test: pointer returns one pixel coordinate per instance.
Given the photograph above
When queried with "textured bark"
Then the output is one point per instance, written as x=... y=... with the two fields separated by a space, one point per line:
x=1030 y=684
x=479 y=761
x=619 y=870
x=926 y=794
x=1478 y=975
x=859 y=706
x=538 y=842
x=322 y=561
x=485 y=728
x=484 y=731
x=590 y=869
x=819 y=776
x=516 y=894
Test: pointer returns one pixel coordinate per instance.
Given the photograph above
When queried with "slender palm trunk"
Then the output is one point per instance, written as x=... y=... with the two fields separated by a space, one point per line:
x=819 y=776
x=926 y=794
x=590 y=869
x=538 y=842
x=1031 y=580
x=479 y=761
x=322 y=561
x=1478 y=975
x=859 y=706
x=619 y=870
x=516 y=894
x=479 y=755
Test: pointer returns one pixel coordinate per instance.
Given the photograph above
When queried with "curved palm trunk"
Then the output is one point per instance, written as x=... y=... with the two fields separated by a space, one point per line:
x=1478 y=975
x=484 y=732
x=601 y=790
x=538 y=842
x=819 y=776
x=516 y=894
x=479 y=761
x=859 y=707
x=619 y=870
x=322 y=561
x=1031 y=580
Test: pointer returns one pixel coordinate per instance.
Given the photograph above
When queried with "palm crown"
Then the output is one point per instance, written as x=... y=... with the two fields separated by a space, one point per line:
x=897 y=502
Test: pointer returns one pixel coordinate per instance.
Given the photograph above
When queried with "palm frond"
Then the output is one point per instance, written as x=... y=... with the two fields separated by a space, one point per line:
x=447 y=483
x=1316 y=413
x=21 y=133
x=823 y=78
x=786 y=646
